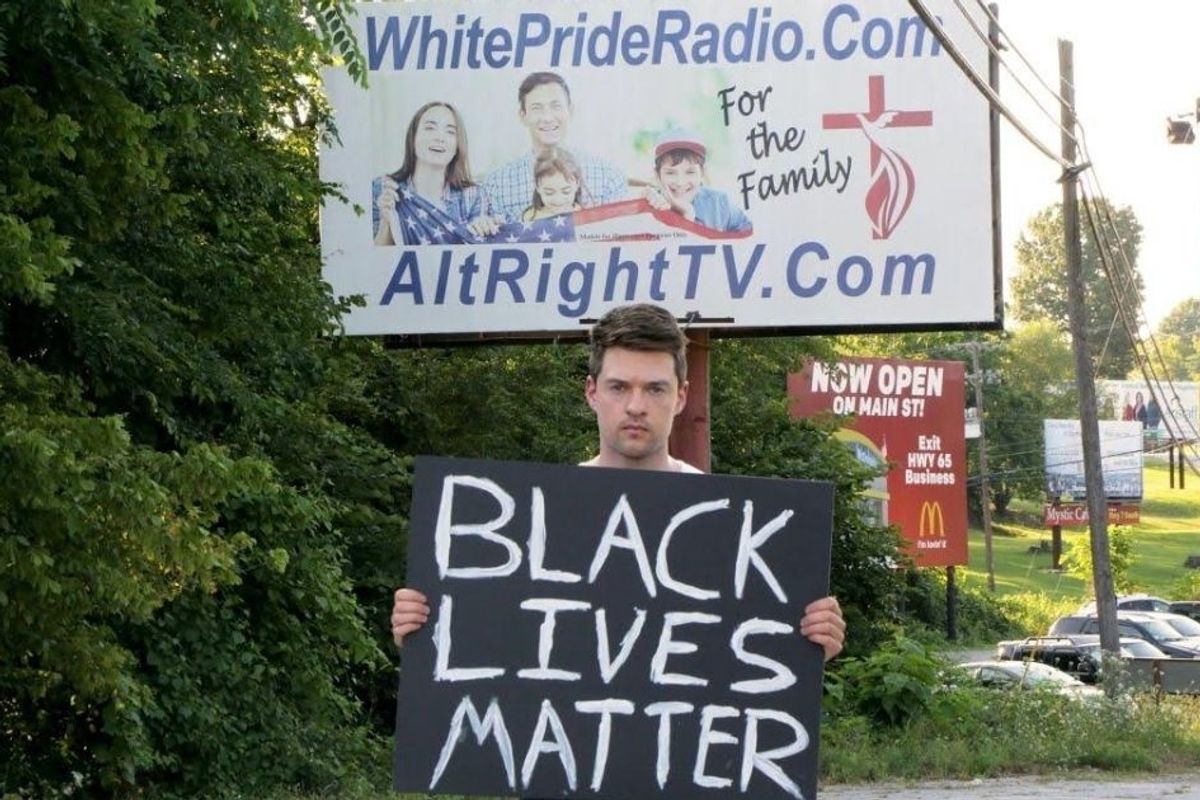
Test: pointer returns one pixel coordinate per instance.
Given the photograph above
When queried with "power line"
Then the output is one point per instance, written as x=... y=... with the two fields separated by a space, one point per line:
x=994 y=99
x=997 y=52
x=1133 y=327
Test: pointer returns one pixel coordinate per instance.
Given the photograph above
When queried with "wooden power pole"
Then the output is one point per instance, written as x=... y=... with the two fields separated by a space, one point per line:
x=1106 y=601
x=985 y=494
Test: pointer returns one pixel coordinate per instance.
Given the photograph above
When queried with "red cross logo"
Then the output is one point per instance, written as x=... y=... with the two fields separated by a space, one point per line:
x=892 y=181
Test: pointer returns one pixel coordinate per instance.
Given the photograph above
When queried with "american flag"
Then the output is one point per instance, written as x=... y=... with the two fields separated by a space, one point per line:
x=624 y=221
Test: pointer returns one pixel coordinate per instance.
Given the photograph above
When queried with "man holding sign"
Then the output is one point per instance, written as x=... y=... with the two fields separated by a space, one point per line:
x=636 y=386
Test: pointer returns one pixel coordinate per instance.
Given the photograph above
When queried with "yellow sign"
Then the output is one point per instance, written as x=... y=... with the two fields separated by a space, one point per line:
x=931 y=522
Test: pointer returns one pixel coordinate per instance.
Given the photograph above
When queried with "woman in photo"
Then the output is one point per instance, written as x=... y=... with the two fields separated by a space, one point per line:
x=558 y=186
x=431 y=199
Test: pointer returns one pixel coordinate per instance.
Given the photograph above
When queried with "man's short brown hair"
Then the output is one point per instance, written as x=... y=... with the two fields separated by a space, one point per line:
x=640 y=326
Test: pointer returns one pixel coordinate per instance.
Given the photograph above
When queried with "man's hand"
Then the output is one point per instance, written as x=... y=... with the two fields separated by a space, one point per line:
x=823 y=624
x=410 y=610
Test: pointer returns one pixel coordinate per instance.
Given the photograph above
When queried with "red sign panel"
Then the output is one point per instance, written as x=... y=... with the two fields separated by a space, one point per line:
x=1075 y=515
x=908 y=414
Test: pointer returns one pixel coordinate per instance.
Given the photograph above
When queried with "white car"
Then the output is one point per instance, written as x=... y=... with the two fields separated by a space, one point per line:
x=1131 y=602
x=1028 y=675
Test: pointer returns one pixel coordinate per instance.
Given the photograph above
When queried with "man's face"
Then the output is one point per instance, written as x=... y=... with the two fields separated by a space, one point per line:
x=546 y=113
x=636 y=397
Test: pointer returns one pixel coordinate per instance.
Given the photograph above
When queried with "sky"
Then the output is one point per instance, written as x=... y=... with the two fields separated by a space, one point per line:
x=1135 y=65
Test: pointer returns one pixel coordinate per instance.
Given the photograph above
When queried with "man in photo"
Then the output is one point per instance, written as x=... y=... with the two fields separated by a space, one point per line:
x=544 y=108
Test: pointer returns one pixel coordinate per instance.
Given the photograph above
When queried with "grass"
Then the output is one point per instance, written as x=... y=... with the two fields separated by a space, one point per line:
x=1006 y=733
x=1168 y=533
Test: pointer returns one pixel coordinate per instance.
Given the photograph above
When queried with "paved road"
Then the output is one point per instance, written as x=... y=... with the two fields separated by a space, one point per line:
x=1176 y=787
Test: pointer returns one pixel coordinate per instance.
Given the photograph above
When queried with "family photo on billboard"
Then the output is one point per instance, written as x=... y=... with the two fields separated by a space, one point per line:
x=434 y=197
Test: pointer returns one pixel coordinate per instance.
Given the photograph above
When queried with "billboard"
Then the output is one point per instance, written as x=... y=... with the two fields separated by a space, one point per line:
x=1172 y=408
x=908 y=414
x=750 y=166
x=1120 y=459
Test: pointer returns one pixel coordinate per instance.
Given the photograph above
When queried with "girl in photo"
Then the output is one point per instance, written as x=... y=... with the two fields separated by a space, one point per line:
x=431 y=199
x=558 y=186
x=679 y=157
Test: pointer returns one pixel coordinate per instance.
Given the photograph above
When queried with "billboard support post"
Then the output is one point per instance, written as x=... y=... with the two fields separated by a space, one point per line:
x=951 y=605
x=690 y=436
x=1171 y=461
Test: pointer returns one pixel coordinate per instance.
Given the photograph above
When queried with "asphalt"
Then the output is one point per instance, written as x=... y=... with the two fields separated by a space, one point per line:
x=1086 y=787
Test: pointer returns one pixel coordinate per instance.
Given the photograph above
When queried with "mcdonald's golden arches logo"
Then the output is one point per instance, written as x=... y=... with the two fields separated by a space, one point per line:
x=931 y=522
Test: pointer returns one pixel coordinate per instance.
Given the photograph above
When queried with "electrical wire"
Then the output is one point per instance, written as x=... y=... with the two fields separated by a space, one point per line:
x=1119 y=288
x=997 y=53
x=980 y=84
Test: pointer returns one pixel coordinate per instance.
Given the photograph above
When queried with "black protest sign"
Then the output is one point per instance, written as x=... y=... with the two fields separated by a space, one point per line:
x=611 y=633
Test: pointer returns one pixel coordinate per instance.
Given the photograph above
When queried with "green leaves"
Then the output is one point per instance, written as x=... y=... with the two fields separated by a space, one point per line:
x=892 y=685
x=182 y=516
x=1039 y=286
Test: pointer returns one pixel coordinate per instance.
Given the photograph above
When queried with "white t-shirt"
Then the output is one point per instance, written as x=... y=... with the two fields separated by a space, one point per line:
x=673 y=465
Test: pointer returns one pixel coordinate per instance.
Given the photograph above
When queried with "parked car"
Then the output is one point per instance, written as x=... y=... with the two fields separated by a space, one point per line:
x=1026 y=675
x=1184 y=624
x=1130 y=602
x=1188 y=608
x=1139 y=624
x=1078 y=656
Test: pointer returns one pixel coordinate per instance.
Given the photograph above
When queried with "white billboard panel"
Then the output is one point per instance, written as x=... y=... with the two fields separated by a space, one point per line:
x=824 y=164
x=1172 y=409
x=1120 y=459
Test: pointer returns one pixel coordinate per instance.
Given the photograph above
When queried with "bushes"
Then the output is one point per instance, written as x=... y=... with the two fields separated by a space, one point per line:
x=895 y=715
x=182 y=515
x=893 y=685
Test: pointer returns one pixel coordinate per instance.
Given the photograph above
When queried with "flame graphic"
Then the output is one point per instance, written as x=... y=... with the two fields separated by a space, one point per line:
x=892 y=181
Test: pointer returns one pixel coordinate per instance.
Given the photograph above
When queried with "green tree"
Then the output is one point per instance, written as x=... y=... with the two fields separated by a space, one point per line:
x=1078 y=558
x=1029 y=377
x=1178 y=339
x=1039 y=286
x=183 y=504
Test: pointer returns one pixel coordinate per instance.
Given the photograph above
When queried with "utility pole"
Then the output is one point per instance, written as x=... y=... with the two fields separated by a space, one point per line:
x=985 y=493
x=1106 y=601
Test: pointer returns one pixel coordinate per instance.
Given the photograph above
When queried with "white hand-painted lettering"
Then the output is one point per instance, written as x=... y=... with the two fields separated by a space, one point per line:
x=550 y=607
x=537 y=544
x=661 y=567
x=781 y=678
x=548 y=718
x=442 y=671
x=709 y=737
x=445 y=530
x=667 y=646
x=748 y=544
x=764 y=762
x=664 y=711
x=605 y=708
x=622 y=513
x=608 y=665
x=492 y=723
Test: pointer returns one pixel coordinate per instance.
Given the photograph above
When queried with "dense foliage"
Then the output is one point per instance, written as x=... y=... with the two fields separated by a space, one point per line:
x=181 y=511
x=1111 y=281
x=1178 y=341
